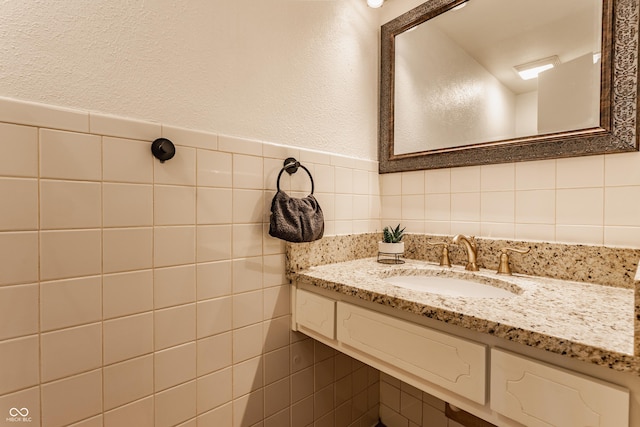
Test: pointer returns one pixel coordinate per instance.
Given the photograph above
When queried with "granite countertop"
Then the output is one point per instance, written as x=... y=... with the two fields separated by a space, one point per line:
x=589 y=322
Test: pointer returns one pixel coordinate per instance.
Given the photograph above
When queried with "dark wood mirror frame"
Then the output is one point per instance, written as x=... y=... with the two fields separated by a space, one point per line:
x=618 y=130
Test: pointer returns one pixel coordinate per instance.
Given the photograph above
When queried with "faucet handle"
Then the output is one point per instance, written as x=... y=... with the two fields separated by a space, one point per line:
x=444 y=258
x=503 y=267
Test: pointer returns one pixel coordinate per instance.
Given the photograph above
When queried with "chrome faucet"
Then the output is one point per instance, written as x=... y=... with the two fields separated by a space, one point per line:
x=472 y=250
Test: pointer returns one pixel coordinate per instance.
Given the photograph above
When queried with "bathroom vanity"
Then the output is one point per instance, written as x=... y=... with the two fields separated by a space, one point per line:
x=548 y=352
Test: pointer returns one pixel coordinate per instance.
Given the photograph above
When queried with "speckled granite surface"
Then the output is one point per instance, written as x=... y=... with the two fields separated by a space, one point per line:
x=585 y=321
x=592 y=264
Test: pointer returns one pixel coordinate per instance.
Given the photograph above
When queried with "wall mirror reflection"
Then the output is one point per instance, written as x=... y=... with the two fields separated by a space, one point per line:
x=490 y=81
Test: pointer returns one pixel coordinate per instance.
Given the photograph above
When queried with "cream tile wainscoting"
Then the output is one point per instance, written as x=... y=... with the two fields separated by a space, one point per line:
x=135 y=293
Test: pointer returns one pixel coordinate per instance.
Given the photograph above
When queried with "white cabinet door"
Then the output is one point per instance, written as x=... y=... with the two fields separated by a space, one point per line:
x=453 y=363
x=315 y=313
x=537 y=394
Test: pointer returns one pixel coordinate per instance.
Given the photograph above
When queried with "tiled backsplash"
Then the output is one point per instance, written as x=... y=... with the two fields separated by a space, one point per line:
x=134 y=292
x=588 y=200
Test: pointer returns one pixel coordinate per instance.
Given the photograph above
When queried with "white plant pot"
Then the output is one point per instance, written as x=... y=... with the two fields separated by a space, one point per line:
x=391 y=248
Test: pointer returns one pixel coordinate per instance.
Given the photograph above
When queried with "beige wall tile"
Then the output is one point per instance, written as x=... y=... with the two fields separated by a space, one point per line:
x=465 y=206
x=580 y=172
x=247 y=308
x=247 y=240
x=213 y=242
x=105 y=124
x=277 y=301
x=71 y=253
x=214 y=316
x=127 y=293
x=497 y=206
x=68 y=155
x=20 y=204
x=538 y=175
x=128 y=381
x=175 y=365
x=437 y=181
x=247 y=206
x=276 y=397
x=622 y=169
x=247 y=274
x=221 y=416
x=175 y=405
x=621 y=236
x=276 y=333
x=36 y=114
x=126 y=249
x=96 y=421
x=173 y=326
x=174 y=286
x=500 y=177
x=622 y=207
x=138 y=414
x=215 y=169
x=19 y=368
x=247 y=172
x=174 y=205
x=71 y=351
x=465 y=179
x=20 y=251
x=276 y=365
x=213 y=279
x=413 y=207
x=413 y=182
x=247 y=342
x=190 y=138
x=18 y=310
x=20 y=147
x=247 y=377
x=214 y=390
x=586 y=234
x=438 y=207
x=536 y=207
x=239 y=145
x=70 y=204
x=72 y=399
x=174 y=246
x=127 y=205
x=181 y=170
x=125 y=160
x=214 y=205
x=580 y=206
x=71 y=302
x=214 y=353
x=248 y=409
x=128 y=337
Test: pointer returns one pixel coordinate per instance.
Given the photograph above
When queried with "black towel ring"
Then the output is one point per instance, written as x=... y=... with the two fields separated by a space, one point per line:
x=291 y=165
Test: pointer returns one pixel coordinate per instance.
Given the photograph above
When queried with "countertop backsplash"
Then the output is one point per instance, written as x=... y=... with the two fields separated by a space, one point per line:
x=583 y=263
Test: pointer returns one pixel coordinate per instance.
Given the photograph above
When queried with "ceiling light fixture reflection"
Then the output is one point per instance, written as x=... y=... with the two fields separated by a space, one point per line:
x=530 y=70
x=375 y=3
x=460 y=6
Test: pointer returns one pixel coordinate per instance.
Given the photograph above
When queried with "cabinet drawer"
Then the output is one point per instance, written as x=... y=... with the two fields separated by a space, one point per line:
x=453 y=363
x=537 y=394
x=316 y=313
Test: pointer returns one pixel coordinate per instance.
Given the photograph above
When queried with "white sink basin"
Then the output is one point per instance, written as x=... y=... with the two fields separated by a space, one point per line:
x=449 y=286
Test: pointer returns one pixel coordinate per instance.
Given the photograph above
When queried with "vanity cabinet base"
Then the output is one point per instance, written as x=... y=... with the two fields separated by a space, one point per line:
x=453 y=363
x=538 y=395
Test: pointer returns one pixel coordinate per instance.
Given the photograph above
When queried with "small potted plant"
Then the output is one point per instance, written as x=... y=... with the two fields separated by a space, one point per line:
x=392 y=240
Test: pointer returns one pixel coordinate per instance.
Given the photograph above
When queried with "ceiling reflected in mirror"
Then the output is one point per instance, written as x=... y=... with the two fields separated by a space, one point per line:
x=458 y=81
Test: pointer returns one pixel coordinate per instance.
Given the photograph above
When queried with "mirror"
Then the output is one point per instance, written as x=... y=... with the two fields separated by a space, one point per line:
x=451 y=95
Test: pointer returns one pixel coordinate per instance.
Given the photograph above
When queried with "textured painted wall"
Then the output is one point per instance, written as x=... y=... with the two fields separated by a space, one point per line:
x=296 y=72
